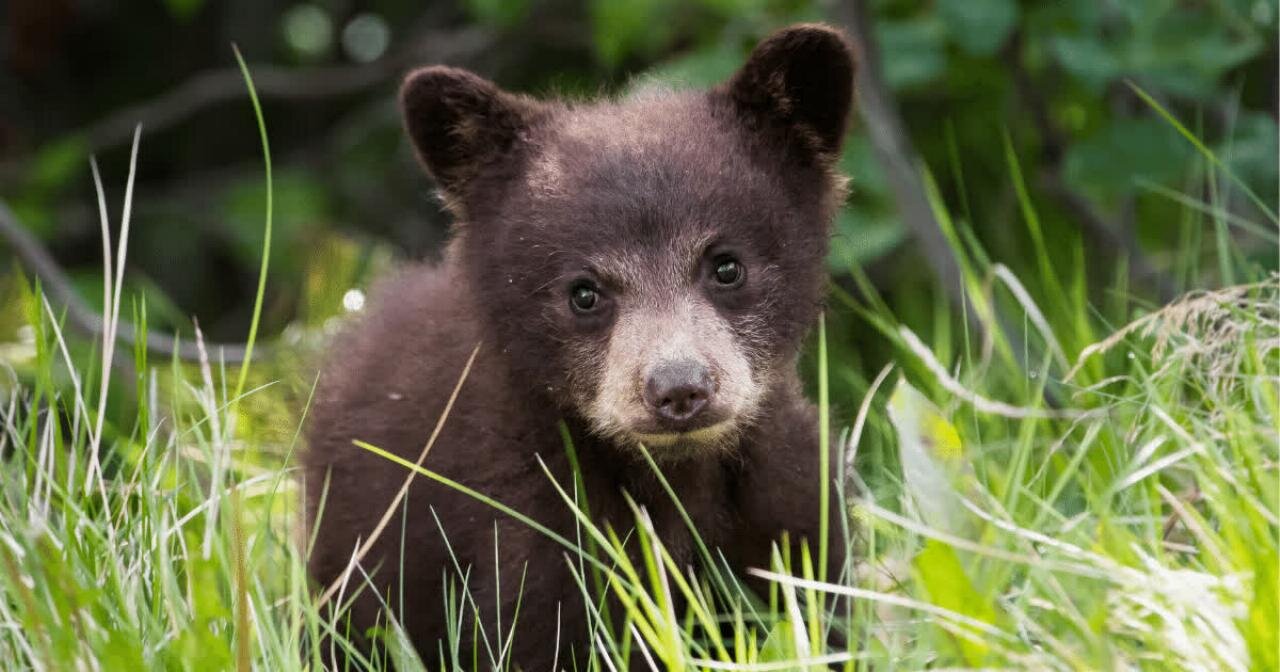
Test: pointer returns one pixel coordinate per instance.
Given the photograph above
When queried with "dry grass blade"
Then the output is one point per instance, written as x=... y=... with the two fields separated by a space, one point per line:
x=976 y=400
x=1202 y=318
x=368 y=543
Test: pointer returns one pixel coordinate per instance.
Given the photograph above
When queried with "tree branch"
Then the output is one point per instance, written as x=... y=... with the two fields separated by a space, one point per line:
x=895 y=153
x=1054 y=146
x=299 y=84
x=901 y=164
x=202 y=91
x=81 y=317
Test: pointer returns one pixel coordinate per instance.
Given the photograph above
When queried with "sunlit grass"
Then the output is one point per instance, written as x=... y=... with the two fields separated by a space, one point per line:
x=1060 y=491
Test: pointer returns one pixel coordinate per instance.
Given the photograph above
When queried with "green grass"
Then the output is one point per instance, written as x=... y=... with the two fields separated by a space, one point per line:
x=1043 y=483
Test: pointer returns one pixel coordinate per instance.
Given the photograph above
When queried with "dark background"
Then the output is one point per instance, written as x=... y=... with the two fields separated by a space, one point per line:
x=944 y=84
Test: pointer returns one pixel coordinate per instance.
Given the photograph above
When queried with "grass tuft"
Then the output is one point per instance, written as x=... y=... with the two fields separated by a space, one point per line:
x=1067 y=495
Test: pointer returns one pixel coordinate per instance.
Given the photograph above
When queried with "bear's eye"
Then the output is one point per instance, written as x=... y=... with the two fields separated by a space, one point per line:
x=729 y=272
x=584 y=297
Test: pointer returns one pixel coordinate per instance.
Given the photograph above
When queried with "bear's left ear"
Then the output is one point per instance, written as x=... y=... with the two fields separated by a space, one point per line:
x=460 y=122
x=800 y=78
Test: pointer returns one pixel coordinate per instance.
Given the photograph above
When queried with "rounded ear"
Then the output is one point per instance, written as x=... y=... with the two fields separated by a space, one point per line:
x=459 y=122
x=801 y=78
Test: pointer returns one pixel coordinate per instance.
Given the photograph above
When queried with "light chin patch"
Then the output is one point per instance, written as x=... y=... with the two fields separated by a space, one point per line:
x=713 y=436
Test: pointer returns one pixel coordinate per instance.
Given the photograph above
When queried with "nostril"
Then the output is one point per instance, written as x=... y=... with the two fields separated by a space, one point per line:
x=679 y=390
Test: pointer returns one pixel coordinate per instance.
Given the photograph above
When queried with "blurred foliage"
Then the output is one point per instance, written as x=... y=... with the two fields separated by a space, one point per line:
x=1056 y=77
x=991 y=92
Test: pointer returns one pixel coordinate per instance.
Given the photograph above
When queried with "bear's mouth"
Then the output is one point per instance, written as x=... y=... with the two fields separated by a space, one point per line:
x=709 y=434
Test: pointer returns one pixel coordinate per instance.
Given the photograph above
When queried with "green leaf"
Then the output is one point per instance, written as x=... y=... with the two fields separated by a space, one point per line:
x=1251 y=154
x=979 y=27
x=912 y=51
x=1185 y=54
x=501 y=13
x=622 y=29
x=861 y=238
x=858 y=162
x=57 y=164
x=932 y=458
x=183 y=10
x=701 y=68
x=1109 y=163
x=1261 y=620
x=301 y=204
x=779 y=646
x=944 y=579
x=1088 y=59
x=35 y=214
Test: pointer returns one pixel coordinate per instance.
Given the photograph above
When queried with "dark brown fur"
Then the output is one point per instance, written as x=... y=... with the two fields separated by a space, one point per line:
x=748 y=165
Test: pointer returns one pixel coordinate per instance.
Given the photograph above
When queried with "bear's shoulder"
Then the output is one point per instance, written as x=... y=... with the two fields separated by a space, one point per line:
x=390 y=374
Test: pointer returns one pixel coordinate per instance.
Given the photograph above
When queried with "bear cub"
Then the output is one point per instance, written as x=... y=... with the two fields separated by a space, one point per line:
x=637 y=271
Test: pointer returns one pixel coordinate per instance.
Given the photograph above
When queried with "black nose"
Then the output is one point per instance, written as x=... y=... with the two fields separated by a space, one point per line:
x=677 y=391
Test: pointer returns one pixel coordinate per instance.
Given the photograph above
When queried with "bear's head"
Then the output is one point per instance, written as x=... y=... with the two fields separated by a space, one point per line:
x=649 y=264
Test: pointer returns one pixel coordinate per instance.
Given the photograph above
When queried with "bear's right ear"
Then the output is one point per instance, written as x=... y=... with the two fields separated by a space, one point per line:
x=800 y=79
x=458 y=122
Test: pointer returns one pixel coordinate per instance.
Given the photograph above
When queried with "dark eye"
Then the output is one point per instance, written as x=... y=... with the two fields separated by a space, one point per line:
x=584 y=297
x=729 y=272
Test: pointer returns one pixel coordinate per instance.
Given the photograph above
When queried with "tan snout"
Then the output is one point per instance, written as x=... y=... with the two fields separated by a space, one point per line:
x=674 y=375
x=678 y=391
